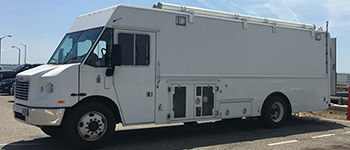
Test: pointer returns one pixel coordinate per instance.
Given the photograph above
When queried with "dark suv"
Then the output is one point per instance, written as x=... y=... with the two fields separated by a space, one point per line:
x=7 y=77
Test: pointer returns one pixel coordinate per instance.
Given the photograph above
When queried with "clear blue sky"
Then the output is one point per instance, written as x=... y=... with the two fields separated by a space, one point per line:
x=41 y=24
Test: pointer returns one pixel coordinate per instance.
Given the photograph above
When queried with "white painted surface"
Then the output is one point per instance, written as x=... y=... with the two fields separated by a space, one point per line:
x=133 y=82
x=321 y=136
x=284 y=142
x=63 y=77
x=251 y=63
x=92 y=20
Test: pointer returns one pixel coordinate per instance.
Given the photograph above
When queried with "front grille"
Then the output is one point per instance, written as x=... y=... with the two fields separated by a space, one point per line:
x=21 y=89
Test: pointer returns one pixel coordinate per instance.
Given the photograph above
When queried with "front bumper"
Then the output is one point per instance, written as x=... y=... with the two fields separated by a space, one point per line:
x=38 y=116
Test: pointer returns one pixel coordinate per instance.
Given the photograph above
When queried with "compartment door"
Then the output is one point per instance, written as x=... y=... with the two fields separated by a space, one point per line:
x=181 y=102
x=204 y=101
x=333 y=69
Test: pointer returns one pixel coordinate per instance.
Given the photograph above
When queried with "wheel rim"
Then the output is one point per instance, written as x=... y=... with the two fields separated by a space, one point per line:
x=277 y=112
x=92 y=126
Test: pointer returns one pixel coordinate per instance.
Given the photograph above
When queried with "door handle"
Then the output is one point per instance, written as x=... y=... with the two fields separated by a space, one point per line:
x=197 y=101
x=149 y=94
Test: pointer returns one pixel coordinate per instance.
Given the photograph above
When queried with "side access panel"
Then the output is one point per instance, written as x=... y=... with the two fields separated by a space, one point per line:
x=333 y=73
x=191 y=101
x=235 y=108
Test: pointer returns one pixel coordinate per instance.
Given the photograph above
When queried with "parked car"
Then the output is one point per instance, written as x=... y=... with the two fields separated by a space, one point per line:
x=12 y=73
x=6 y=85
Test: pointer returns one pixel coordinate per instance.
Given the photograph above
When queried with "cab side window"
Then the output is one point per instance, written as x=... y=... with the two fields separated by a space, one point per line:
x=100 y=57
x=135 y=49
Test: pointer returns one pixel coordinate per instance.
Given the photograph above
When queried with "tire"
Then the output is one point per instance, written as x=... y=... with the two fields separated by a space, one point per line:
x=275 y=112
x=90 y=125
x=53 y=131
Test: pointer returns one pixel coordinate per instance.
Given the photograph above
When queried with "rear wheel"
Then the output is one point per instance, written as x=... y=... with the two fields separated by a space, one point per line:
x=274 y=112
x=91 y=125
x=53 y=131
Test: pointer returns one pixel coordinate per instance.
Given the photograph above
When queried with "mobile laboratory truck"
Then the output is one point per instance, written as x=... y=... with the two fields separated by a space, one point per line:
x=173 y=64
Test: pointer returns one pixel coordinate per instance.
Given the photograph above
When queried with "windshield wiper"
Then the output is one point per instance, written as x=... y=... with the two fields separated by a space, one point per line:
x=73 y=58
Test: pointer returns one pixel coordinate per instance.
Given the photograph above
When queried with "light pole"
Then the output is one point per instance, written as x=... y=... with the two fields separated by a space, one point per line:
x=19 y=54
x=25 y=52
x=0 y=44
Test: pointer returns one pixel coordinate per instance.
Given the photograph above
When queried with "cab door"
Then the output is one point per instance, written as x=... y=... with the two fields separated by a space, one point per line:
x=93 y=80
x=134 y=80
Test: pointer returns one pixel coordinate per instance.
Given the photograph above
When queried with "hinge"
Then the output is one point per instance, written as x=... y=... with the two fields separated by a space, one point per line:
x=245 y=24
x=312 y=33
x=190 y=16
x=169 y=89
x=274 y=27
x=216 y=113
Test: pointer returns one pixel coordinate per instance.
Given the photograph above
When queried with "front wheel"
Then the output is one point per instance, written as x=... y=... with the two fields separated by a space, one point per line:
x=274 y=112
x=90 y=125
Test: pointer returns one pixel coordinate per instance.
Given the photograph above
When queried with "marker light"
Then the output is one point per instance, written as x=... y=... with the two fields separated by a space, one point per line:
x=180 y=20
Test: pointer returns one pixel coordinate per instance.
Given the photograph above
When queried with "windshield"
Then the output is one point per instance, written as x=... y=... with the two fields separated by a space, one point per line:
x=18 y=68
x=75 y=46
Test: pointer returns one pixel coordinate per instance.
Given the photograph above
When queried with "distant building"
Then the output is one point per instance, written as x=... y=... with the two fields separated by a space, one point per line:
x=8 y=66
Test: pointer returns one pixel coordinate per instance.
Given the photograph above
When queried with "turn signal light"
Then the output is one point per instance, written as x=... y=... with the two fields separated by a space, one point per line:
x=60 y=102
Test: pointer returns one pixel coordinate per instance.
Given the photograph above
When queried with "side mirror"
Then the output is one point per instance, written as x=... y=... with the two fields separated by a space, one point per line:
x=116 y=59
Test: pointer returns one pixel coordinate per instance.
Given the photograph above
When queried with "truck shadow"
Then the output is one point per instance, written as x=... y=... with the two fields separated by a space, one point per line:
x=186 y=137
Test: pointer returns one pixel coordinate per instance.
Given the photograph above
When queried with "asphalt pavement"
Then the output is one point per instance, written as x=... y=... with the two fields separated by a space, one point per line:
x=303 y=133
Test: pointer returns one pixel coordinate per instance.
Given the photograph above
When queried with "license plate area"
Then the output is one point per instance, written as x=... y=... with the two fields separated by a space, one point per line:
x=20 y=116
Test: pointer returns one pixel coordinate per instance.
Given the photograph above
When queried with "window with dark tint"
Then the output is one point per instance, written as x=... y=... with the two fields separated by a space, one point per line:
x=179 y=102
x=127 y=44
x=142 y=49
x=135 y=48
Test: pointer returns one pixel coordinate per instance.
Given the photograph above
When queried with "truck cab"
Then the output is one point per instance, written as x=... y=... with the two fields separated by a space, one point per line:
x=79 y=81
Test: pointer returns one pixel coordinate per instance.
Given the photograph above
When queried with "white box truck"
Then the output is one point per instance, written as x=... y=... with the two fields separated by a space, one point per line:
x=171 y=64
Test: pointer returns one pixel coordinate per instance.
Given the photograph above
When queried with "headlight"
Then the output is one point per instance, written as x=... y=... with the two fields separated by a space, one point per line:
x=47 y=88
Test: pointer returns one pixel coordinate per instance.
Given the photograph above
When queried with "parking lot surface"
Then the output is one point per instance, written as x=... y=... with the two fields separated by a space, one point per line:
x=306 y=133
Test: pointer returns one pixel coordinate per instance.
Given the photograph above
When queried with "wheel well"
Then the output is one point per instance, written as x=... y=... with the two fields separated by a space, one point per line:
x=289 y=106
x=104 y=100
